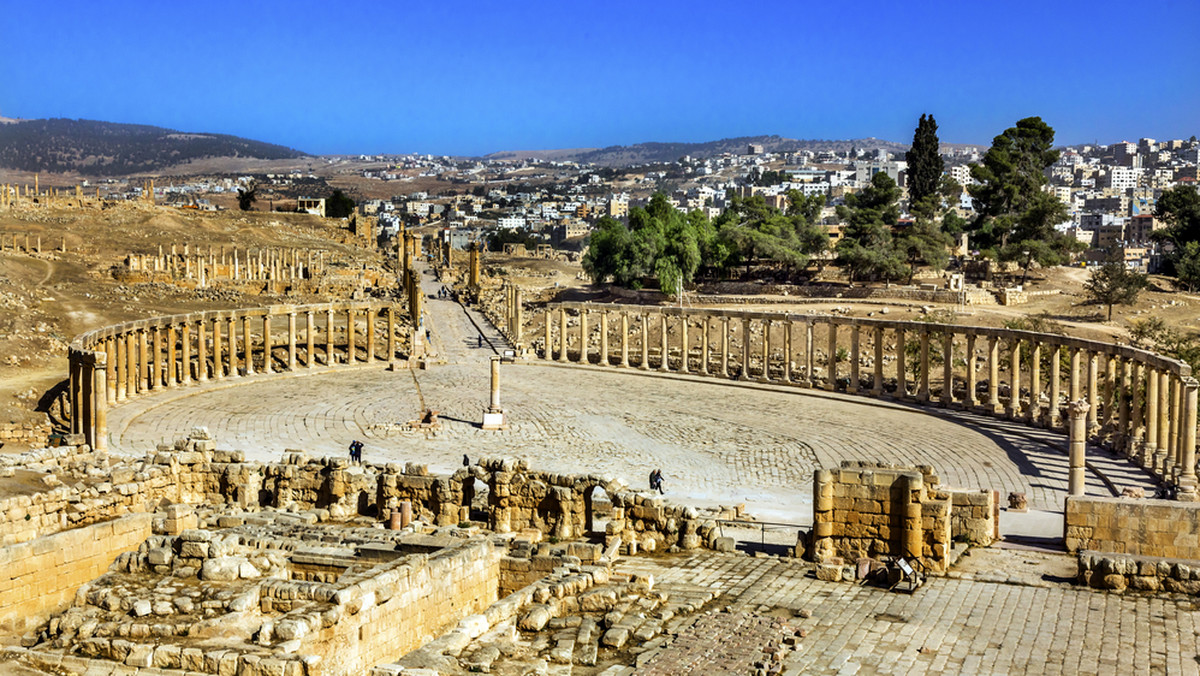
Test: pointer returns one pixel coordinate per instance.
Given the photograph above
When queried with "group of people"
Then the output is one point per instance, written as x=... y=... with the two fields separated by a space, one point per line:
x=356 y=447
x=443 y=292
x=656 y=481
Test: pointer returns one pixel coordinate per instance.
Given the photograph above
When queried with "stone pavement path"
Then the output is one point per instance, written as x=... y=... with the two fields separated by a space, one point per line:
x=716 y=442
x=948 y=626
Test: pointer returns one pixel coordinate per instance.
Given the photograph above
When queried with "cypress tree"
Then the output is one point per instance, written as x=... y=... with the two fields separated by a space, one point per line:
x=925 y=165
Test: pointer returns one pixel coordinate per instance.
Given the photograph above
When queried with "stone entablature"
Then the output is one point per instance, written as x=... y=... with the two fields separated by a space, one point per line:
x=1141 y=403
x=115 y=363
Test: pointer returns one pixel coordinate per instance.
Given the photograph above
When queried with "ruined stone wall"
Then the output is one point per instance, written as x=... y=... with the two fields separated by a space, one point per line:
x=974 y=516
x=1163 y=528
x=1119 y=572
x=426 y=595
x=41 y=577
x=871 y=512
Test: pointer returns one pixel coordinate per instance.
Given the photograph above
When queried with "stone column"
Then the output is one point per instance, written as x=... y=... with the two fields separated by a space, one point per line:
x=1078 y=447
x=156 y=366
x=1109 y=394
x=1187 y=477
x=548 y=350
x=122 y=367
x=292 y=340
x=173 y=374
x=788 y=351
x=1075 y=393
x=724 y=347
x=901 y=370
x=583 y=335
x=1152 y=401
x=1033 y=412
x=831 y=359
x=766 y=352
x=329 y=337
x=947 y=368
x=1054 y=416
x=745 y=349
x=1174 y=447
x=914 y=532
x=391 y=333
x=248 y=345
x=231 y=361
x=562 y=334
x=646 y=342
x=972 y=399
x=1014 y=380
x=1093 y=393
x=218 y=353
x=625 y=338
x=704 y=346
x=143 y=362
x=518 y=319
x=371 y=331
x=100 y=418
x=993 y=375
x=110 y=366
x=494 y=406
x=604 y=337
x=809 y=360
x=351 y=337
x=1161 y=453
x=185 y=353
x=877 y=367
x=201 y=351
x=923 y=384
x=684 y=347
x=855 y=358
x=1124 y=380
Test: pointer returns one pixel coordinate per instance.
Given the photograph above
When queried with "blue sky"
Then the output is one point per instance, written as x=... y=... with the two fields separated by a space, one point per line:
x=476 y=77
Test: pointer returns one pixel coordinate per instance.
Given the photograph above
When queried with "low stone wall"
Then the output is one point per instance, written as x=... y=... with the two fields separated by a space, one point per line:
x=27 y=433
x=863 y=511
x=1118 y=572
x=40 y=577
x=975 y=516
x=1164 y=528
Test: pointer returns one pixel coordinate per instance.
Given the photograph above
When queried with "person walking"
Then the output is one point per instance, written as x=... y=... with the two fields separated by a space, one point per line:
x=656 y=481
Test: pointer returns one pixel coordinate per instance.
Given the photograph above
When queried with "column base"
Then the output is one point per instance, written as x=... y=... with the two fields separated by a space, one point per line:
x=494 y=420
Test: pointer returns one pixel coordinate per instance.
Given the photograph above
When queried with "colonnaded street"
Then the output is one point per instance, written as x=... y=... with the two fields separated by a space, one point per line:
x=717 y=443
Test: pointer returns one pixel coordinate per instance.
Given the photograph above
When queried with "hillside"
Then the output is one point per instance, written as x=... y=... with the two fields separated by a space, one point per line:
x=95 y=148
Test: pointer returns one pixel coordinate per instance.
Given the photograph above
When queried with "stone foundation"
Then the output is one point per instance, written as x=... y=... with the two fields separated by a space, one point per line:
x=1161 y=528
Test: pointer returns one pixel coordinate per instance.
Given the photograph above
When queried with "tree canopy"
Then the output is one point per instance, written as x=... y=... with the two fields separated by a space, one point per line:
x=1179 y=207
x=1114 y=284
x=867 y=250
x=925 y=166
x=339 y=205
x=246 y=197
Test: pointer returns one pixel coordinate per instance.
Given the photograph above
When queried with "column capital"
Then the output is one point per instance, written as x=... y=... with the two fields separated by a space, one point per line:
x=1078 y=408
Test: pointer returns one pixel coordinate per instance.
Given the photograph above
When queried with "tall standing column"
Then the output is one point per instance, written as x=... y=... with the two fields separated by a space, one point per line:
x=1075 y=393
x=310 y=333
x=993 y=375
x=351 y=337
x=247 y=345
x=831 y=359
x=877 y=366
x=684 y=345
x=1078 y=447
x=143 y=361
x=1124 y=429
x=665 y=363
x=625 y=338
x=370 y=333
x=1014 y=379
x=1033 y=413
x=122 y=367
x=231 y=331
x=218 y=352
x=1164 y=422
x=131 y=363
x=584 y=335
x=156 y=369
x=173 y=371
x=604 y=338
x=809 y=360
x=1187 y=478
x=1174 y=447
x=548 y=349
x=745 y=349
x=1151 y=442
x=644 y=342
x=201 y=352
x=972 y=372
x=724 y=347
x=901 y=370
x=329 y=345
x=788 y=350
x=292 y=340
x=704 y=356
x=923 y=385
x=855 y=358
x=1093 y=392
x=1108 y=394
x=766 y=352
x=391 y=333
x=100 y=419
x=185 y=353
x=562 y=335
x=1054 y=417
x=947 y=368
x=110 y=366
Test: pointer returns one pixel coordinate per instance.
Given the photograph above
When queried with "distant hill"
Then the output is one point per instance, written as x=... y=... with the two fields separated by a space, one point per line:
x=650 y=153
x=97 y=148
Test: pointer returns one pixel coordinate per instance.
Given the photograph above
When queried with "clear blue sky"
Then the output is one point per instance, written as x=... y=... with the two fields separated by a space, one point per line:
x=476 y=77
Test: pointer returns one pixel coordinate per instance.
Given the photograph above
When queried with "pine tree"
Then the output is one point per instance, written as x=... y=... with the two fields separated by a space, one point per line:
x=925 y=165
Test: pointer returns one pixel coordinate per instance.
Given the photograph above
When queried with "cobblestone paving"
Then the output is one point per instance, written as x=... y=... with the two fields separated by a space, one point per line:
x=717 y=443
x=948 y=626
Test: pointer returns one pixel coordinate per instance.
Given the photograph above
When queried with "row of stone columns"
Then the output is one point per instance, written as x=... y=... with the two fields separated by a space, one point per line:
x=1132 y=404
x=160 y=355
x=269 y=264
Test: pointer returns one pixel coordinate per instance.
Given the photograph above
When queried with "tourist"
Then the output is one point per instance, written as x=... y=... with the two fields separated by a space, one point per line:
x=656 y=481
x=466 y=460
x=356 y=447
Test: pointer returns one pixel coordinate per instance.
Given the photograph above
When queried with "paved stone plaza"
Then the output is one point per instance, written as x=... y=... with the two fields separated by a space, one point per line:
x=716 y=442
x=949 y=626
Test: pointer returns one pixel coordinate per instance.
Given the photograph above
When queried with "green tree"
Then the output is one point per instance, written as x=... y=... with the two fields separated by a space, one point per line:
x=607 y=257
x=1187 y=265
x=1016 y=216
x=247 y=196
x=925 y=167
x=1114 y=284
x=1179 y=207
x=338 y=205
x=755 y=232
x=867 y=249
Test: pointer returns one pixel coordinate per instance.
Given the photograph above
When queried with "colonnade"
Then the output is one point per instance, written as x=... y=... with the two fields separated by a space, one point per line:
x=266 y=264
x=113 y=364
x=1140 y=403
